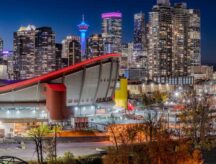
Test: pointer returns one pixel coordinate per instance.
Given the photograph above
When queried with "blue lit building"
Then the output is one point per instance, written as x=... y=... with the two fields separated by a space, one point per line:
x=83 y=28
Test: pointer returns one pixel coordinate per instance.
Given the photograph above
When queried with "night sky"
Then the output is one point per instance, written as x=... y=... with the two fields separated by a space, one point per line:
x=64 y=15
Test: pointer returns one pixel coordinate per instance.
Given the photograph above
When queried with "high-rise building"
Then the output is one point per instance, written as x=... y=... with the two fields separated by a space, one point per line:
x=163 y=2
x=194 y=37
x=139 y=32
x=180 y=66
x=1 y=44
x=58 y=56
x=8 y=58
x=112 y=32
x=45 y=50
x=71 y=50
x=160 y=40
x=24 y=52
x=4 y=62
x=95 y=46
x=139 y=57
x=173 y=39
x=124 y=60
x=83 y=28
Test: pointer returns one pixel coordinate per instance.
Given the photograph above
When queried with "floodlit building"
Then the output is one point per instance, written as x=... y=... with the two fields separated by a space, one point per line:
x=194 y=37
x=71 y=50
x=58 y=96
x=202 y=72
x=45 y=50
x=1 y=45
x=24 y=52
x=160 y=40
x=58 y=56
x=173 y=39
x=95 y=46
x=112 y=32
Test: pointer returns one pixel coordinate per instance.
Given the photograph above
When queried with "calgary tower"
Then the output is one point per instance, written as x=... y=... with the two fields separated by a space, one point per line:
x=83 y=28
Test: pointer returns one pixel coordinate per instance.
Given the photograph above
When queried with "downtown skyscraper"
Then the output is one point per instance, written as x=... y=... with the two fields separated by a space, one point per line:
x=139 y=57
x=95 y=46
x=173 y=40
x=112 y=32
x=71 y=50
x=24 y=53
x=45 y=50
x=34 y=52
x=1 y=44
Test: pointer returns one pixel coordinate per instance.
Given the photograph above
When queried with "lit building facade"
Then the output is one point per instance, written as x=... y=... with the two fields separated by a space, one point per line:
x=194 y=37
x=24 y=52
x=139 y=32
x=71 y=50
x=58 y=53
x=6 y=64
x=77 y=89
x=83 y=28
x=9 y=60
x=181 y=59
x=126 y=53
x=95 y=45
x=112 y=32
x=138 y=64
x=173 y=40
x=45 y=51
x=1 y=45
x=160 y=40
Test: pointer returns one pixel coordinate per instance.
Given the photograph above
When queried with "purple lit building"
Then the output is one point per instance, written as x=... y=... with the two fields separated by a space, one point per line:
x=112 y=32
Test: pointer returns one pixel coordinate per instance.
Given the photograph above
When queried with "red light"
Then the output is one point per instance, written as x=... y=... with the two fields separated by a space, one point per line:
x=51 y=75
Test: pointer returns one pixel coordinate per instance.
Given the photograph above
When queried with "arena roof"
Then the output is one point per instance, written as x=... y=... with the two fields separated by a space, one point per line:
x=55 y=74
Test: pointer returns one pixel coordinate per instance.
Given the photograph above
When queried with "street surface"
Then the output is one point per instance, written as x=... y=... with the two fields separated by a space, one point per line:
x=78 y=149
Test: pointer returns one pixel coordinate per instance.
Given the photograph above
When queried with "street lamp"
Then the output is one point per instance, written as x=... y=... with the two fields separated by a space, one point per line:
x=177 y=94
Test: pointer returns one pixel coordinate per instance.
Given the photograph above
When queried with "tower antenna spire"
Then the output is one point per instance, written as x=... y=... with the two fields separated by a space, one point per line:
x=83 y=17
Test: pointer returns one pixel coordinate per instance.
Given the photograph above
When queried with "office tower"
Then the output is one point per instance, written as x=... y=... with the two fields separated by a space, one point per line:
x=194 y=37
x=112 y=32
x=24 y=52
x=180 y=66
x=124 y=60
x=8 y=60
x=160 y=40
x=139 y=32
x=58 y=56
x=45 y=51
x=95 y=45
x=71 y=50
x=83 y=28
x=139 y=58
x=4 y=57
x=1 y=44
x=173 y=40
x=163 y=2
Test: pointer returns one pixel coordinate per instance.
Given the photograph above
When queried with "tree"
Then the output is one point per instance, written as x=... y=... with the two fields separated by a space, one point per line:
x=38 y=135
x=196 y=120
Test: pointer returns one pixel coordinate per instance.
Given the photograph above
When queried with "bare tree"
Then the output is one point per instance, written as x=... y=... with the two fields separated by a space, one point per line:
x=38 y=135
x=197 y=120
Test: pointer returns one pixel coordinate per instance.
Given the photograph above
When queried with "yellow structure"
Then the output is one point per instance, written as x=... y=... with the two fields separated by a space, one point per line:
x=121 y=94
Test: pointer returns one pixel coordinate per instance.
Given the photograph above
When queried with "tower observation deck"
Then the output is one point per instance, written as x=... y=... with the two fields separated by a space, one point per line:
x=83 y=28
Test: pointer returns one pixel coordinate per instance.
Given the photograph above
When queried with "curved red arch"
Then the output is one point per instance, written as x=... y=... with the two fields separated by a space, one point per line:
x=57 y=73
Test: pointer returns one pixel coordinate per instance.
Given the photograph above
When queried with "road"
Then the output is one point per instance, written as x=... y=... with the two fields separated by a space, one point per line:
x=78 y=149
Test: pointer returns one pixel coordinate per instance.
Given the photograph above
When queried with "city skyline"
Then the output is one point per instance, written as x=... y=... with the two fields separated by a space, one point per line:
x=70 y=16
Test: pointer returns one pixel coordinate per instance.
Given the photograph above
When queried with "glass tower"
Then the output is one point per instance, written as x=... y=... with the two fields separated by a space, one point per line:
x=112 y=32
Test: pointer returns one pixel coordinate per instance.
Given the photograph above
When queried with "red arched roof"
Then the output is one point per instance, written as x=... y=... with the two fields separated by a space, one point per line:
x=58 y=73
